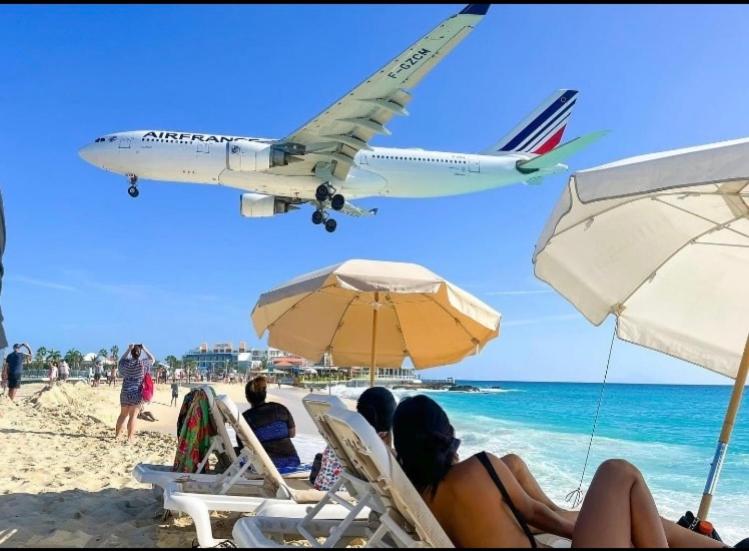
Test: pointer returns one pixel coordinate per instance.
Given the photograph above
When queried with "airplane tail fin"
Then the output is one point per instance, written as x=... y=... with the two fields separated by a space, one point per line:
x=542 y=130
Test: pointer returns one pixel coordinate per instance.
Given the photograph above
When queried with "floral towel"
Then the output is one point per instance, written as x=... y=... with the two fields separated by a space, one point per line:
x=195 y=433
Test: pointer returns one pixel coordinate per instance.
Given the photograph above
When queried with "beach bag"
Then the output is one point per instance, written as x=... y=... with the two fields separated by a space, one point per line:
x=146 y=388
x=690 y=522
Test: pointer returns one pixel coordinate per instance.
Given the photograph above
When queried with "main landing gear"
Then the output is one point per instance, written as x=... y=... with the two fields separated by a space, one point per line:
x=133 y=189
x=326 y=193
x=319 y=217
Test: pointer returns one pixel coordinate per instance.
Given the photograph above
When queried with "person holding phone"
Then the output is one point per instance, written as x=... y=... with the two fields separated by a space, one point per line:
x=132 y=369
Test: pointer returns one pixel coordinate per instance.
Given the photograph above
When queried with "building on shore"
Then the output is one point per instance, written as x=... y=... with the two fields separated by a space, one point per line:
x=223 y=358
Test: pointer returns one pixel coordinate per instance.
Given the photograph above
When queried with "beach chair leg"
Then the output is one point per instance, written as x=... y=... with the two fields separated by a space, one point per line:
x=215 y=445
x=227 y=484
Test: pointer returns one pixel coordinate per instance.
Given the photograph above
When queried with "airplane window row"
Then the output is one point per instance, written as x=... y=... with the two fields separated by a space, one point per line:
x=97 y=140
x=162 y=140
x=419 y=159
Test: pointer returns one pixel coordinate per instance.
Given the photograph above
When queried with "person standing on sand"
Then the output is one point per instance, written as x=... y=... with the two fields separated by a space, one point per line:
x=52 y=373
x=98 y=366
x=175 y=392
x=13 y=368
x=112 y=376
x=132 y=369
x=64 y=371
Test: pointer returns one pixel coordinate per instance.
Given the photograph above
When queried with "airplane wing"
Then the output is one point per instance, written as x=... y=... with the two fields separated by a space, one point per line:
x=327 y=144
x=352 y=210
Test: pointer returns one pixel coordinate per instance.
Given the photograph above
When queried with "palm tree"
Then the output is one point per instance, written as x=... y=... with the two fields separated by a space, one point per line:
x=54 y=356
x=172 y=361
x=103 y=353
x=73 y=357
x=41 y=355
x=115 y=352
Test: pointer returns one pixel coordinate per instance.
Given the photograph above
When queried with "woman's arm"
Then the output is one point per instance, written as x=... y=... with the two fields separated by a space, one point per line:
x=536 y=513
x=129 y=347
x=148 y=353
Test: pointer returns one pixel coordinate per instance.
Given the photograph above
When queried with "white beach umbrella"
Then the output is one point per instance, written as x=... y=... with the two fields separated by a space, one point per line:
x=662 y=242
x=366 y=312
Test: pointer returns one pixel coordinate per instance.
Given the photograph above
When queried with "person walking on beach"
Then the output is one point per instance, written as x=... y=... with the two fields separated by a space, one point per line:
x=175 y=392
x=112 y=376
x=98 y=367
x=64 y=371
x=13 y=368
x=52 y=373
x=133 y=369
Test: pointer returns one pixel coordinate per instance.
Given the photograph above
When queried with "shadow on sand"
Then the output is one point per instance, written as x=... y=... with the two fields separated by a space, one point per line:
x=125 y=517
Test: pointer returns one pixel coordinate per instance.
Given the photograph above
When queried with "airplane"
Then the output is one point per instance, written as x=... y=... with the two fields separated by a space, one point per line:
x=328 y=162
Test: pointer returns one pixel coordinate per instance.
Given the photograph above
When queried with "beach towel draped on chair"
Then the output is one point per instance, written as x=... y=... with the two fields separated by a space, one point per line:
x=196 y=431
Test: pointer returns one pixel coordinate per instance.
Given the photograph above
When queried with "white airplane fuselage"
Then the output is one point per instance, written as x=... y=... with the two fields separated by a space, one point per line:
x=392 y=172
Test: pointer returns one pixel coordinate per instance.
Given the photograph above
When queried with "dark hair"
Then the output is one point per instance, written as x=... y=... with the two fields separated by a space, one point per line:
x=377 y=406
x=135 y=351
x=255 y=391
x=424 y=441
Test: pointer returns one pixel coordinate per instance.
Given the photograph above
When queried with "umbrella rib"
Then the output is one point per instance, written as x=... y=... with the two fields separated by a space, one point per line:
x=430 y=297
x=356 y=297
x=724 y=224
x=293 y=306
x=400 y=327
x=672 y=255
x=633 y=200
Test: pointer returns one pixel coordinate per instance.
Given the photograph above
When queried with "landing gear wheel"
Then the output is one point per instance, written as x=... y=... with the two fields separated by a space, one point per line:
x=330 y=225
x=337 y=202
x=133 y=191
x=322 y=193
x=317 y=217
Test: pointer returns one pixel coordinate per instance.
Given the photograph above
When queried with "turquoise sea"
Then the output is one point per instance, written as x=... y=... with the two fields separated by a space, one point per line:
x=668 y=431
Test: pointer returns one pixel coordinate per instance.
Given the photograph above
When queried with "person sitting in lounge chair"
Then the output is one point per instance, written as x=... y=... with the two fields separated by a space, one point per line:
x=273 y=425
x=377 y=406
x=480 y=502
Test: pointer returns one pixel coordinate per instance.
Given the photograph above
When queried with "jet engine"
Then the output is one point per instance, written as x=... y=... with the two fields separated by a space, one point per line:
x=256 y=205
x=254 y=157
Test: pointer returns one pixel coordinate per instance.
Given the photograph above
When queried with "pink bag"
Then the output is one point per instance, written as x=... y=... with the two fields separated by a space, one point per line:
x=146 y=388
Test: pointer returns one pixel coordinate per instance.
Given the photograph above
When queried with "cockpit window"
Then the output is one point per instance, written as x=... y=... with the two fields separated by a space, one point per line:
x=112 y=138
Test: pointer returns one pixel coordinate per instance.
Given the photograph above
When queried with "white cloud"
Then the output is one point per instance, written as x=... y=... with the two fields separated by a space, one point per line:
x=520 y=292
x=43 y=283
x=542 y=319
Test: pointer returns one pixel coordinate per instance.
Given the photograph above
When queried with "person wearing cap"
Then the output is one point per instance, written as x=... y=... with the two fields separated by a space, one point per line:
x=13 y=368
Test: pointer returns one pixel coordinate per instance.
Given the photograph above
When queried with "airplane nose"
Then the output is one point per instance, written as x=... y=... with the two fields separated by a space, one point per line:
x=88 y=153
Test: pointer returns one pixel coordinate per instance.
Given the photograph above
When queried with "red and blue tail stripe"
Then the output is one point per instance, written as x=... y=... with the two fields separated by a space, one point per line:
x=543 y=129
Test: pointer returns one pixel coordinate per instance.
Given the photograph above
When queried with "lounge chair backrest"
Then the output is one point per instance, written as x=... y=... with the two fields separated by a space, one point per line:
x=261 y=461
x=218 y=421
x=363 y=454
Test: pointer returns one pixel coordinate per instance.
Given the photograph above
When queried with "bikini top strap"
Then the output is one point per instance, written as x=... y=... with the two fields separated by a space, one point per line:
x=484 y=459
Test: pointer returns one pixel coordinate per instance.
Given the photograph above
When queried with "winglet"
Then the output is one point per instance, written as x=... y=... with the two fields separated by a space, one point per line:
x=475 y=9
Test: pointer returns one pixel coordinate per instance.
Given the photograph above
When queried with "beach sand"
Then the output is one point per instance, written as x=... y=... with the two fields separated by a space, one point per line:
x=65 y=481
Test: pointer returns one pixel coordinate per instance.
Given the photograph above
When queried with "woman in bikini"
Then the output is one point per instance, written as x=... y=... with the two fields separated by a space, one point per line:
x=480 y=502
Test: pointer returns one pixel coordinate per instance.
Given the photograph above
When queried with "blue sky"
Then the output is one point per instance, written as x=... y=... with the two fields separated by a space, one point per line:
x=86 y=266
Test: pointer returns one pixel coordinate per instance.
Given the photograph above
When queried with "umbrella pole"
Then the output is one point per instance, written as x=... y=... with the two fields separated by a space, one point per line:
x=725 y=435
x=373 y=357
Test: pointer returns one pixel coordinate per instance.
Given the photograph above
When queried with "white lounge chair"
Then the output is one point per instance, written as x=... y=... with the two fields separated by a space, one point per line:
x=399 y=517
x=372 y=477
x=232 y=491
x=221 y=444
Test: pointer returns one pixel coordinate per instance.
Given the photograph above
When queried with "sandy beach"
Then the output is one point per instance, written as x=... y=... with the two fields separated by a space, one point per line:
x=65 y=481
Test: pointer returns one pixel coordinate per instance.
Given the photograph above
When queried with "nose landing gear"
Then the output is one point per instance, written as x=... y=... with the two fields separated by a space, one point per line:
x=133 y=189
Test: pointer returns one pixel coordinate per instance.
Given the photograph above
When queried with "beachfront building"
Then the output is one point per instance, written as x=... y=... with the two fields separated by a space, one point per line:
x=223 y=357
